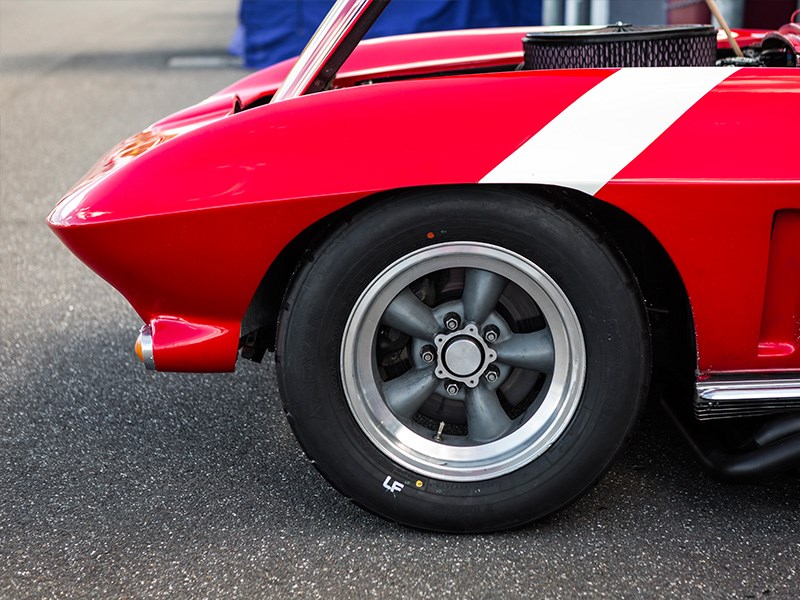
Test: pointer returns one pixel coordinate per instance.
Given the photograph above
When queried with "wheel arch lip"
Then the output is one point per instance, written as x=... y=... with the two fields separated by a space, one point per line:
x=607 y=219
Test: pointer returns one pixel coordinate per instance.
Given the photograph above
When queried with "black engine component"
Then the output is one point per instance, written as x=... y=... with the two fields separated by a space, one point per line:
x=622 y=45
x=776 y=50
x=773 y=448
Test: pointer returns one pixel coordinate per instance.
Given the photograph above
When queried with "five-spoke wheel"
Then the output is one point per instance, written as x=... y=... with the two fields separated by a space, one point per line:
x=469 y=371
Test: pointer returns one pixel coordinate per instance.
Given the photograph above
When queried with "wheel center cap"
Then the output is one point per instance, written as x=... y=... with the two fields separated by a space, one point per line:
x=463 y=357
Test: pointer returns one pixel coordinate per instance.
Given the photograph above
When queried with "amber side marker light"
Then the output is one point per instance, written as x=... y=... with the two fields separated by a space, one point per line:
x=144 y=348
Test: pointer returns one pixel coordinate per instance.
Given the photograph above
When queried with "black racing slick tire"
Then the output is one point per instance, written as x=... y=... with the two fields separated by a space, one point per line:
x=463 y=360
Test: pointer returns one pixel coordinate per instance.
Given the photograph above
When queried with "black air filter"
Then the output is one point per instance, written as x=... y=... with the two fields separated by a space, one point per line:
x=622 y=46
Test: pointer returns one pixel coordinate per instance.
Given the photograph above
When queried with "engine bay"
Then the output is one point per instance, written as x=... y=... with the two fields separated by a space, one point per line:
x=626 y=45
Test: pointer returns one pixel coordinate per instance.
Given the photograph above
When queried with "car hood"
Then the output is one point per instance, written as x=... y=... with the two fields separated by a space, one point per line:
x=395 y=57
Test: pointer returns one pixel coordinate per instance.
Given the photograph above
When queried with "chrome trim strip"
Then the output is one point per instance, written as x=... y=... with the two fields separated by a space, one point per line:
x=146 y=337
x=763 y=389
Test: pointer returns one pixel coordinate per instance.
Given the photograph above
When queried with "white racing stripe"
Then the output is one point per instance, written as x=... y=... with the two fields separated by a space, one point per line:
x=606 y=128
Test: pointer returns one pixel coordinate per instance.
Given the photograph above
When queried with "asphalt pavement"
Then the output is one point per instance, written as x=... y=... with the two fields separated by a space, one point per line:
x=117 y=483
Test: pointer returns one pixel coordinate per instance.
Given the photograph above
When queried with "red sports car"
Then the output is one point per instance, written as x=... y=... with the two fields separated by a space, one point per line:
x=473 y=252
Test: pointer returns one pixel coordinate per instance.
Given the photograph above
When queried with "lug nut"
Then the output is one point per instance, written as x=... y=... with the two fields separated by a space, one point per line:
x=452 y=321
x=452 y=388
x=491 y=333
x=491 y=375
x=428 y=354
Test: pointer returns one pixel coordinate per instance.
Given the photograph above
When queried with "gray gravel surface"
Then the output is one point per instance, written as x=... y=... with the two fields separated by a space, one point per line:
x=118 y=483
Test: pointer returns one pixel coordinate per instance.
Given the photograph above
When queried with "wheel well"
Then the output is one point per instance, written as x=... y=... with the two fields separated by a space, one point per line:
x=664 y=294
x=259 y=324
x=665 y=297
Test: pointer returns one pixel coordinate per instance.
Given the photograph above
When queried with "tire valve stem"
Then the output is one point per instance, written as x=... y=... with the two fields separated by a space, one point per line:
x=438 y=436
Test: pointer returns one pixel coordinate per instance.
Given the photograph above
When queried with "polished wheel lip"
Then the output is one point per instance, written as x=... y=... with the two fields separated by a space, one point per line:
x=456 y=462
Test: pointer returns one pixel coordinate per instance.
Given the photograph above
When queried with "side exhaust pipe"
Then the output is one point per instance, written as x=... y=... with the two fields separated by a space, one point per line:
x=777 y=451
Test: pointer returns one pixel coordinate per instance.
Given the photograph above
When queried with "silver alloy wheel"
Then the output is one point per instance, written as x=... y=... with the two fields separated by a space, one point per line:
x=466 y=363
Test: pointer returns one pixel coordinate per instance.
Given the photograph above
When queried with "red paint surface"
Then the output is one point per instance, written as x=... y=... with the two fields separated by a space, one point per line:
x=185 y=220
x=708 y=189
x=179 y=345
x=780 y=323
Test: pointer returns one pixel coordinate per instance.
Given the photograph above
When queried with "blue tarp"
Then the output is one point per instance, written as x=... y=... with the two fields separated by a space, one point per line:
x=273 y=30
